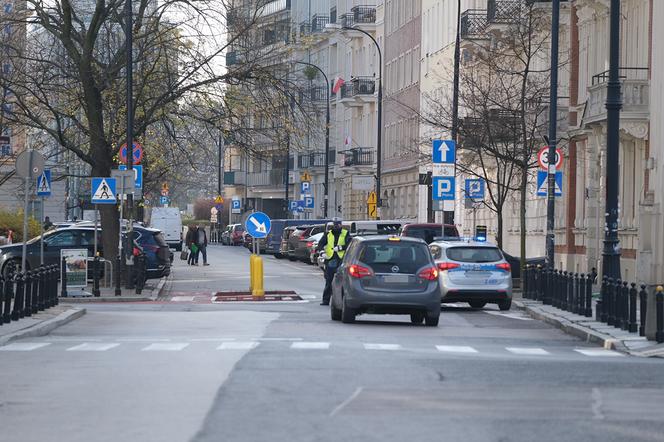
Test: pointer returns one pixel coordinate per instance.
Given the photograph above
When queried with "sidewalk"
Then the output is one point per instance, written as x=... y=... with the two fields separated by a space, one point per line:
x=40 y=324
x=152 y=290
x=590 y=330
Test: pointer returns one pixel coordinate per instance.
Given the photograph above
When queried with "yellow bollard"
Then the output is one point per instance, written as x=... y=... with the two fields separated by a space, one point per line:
x=252 y=272
x=257 y=289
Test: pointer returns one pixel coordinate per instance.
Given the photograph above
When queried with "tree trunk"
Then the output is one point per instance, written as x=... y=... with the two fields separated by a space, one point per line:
x=522 y=217
x=499 y=233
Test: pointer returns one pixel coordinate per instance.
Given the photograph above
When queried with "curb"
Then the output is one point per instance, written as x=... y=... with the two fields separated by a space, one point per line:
x=161 y=286
x=45 y=327
x=154 y=294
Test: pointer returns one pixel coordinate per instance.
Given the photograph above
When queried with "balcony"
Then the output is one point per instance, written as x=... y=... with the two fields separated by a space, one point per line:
x=635 y=88
x=274 y=7
x=273 y=177
x=234 y=178
x=359 y=156
x=318 y=93
x=358 y=91
x=473 y=24
x=316 y=25
x=314 y=160
x=361 y=17
x=503 y=11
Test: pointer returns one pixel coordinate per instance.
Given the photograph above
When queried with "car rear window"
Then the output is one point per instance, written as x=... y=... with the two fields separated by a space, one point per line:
x=239 y=228
x=429 y=233
x=159 y=239
x=382 y=257
x=474 y=254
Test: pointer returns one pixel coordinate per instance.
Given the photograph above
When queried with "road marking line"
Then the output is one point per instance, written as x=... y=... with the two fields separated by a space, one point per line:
x=509 y=315
x=350 y=399
x=238 y=345
x=597 y=352
x=162 y=346
x=310 y=345
x=279 y=339
x=456 y=349
x=182 y=298
x=24 y=346
x=92 y=346
x=527 y=351
x=382 y=347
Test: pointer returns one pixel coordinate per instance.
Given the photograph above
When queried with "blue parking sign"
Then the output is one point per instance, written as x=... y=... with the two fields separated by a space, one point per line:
x=308 y=202
x=443 y=188
x=475 y=189
x=305 y=187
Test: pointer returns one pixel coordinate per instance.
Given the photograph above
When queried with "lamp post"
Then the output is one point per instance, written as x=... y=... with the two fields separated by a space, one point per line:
x=449 y=216
x=130 y=140
x=553 y=136
x=611 y=252
x=379 y=150
x=327 y=138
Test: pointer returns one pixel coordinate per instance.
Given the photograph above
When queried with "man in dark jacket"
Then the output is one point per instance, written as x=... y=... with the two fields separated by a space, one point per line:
x=333 y=244
x=202 y=242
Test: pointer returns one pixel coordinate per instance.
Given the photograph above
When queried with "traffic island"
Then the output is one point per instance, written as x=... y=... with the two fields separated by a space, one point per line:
x=269 y=296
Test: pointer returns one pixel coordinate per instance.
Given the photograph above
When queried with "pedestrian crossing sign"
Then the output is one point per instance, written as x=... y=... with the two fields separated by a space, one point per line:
x=44 y=183
x=543 y=183
x=103 y=191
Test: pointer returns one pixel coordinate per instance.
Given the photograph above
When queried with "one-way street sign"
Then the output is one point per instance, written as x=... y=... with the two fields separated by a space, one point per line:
x=444 y=152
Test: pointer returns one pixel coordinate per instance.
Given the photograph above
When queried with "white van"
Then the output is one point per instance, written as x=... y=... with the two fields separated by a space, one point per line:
x=169 y=221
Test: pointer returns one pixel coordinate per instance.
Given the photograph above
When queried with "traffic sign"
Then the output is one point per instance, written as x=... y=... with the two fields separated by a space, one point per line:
x=29 y=164
x=308 y=202
x=103 y=191
x=258 y=225
x=236 y=206
x=138 y=153
x=305 y=176
x=443 y=188
x=442 y=170
x=372 y=198
x=444 y=151
x=164 y=200
x=219 y=199
x=305 y=187
x=543 y=183
x=44 y=183
x=543 y=158
x=475 y=188
x=138 y=174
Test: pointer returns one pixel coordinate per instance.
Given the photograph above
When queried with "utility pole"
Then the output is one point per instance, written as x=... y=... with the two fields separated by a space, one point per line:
x=611 y=253
x=130 y=141
x=553 y=137
x=448 y=216
x=219 y=180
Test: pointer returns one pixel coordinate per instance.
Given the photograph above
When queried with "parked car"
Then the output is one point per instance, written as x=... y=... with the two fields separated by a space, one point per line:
x=169 y=221
x=515 y=263
x=386 y=275
x=312 y=245
x=273 y=240
x=225 y=235
x=370 y=227
x=157 y=251
x=473 y=272
x=429 y=231
x=298 y=241
x=285 y=236
x=236 y=233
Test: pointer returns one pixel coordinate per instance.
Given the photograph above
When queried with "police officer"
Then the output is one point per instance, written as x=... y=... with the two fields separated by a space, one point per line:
x=334 y=245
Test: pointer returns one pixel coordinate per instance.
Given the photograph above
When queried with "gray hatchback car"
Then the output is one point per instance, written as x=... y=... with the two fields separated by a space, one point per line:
x=473 y=272
x=387 y=275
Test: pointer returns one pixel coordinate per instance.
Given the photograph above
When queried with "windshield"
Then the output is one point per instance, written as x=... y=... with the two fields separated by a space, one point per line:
x=428 y=233
x=474 y=254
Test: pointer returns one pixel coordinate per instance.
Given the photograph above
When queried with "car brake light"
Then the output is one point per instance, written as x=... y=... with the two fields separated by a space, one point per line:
x=310 y=244
x=357 y=271
x=504 y=266
x=430 y=274
x=447 y=266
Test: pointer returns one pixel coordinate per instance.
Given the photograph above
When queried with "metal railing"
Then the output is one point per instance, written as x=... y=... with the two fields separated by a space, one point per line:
x=625 y=73
x=359 y=156
x=273 y=177
x=473 y=24
x=314 y=159
x=363 y=14
x=318 y=93
x=503 y=11
x=358 y=86
x=26 y=293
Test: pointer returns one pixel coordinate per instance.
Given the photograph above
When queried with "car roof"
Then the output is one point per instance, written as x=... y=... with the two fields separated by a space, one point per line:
x=426 y=225
x=463 y=242
x=395 y=238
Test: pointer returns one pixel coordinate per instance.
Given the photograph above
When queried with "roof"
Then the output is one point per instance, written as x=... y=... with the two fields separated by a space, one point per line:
x=463 y=242
x=396 y=238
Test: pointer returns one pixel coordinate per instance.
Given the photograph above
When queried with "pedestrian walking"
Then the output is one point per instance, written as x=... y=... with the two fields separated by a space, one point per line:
x=334 y=244
x=190 y=243
x=202 y=242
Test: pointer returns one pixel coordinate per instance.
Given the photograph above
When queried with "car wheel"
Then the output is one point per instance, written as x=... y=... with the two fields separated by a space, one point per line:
x=505 y=305
x=292 y=258
x=432 y=319
x=16 y=264
x=279 y=256
x=347 y=313
x=477 y=304
x=416 y=318
x=335 y=313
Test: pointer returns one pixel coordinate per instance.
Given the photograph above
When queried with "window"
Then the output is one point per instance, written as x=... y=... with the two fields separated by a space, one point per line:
x=62 y=239
x=474 y=254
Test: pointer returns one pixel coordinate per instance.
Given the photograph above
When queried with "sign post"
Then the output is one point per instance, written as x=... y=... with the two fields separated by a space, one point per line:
x=103 y=191
x=258 y=225
x=29 y=165
x=444 y=175
x=43 y=190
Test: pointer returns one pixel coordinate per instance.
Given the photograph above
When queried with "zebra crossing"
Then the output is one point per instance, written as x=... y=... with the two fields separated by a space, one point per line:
x=300 y=344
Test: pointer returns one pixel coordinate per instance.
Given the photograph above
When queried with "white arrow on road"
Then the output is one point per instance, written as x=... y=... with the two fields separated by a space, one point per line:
x=260 y=227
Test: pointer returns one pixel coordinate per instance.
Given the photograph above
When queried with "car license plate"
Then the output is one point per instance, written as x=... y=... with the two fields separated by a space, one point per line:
x=491 y=281
x=477 y=274
x=395 y=279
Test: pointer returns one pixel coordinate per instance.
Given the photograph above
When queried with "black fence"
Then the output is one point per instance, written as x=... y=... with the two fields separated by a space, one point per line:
x=621 y=304
x=27 y=293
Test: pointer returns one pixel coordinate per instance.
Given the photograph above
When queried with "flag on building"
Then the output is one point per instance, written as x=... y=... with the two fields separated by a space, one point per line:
x=338 y=82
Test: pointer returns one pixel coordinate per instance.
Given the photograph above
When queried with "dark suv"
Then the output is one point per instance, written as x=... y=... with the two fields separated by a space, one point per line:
x=429 y=231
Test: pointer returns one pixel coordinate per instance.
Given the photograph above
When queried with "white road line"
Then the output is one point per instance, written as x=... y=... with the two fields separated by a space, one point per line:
x=382 y=347
x=509 y=315
x=455 y=349
x=174 y=346
x=310 y=345
x=597 y=352
x=24 y=346
x=530 y=351
x=238 y=345
x=92 y=346
x=182 y=298
x=350 y=399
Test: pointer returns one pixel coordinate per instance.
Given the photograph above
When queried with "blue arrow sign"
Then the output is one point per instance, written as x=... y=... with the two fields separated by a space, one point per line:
x=305 y=187
x=444 y=151
x=443 y=188
x=543 y=183
x=138 y=174
x=258 y=225
x=103 y=191
x=44 y=183
x=475 y=188
x=308 y=202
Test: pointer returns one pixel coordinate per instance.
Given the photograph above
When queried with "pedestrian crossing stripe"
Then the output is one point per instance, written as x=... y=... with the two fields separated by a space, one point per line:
x=44 y=183
x=103 y=191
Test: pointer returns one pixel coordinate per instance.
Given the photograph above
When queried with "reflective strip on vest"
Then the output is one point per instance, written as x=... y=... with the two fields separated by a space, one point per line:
x=329 y=247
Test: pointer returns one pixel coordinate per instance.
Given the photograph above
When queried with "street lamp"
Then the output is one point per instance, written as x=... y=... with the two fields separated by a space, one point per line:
x=130 y=143
x=327 y=137
x=379 y=149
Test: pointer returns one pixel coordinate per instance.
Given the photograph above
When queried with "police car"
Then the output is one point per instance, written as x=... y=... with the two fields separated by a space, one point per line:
x=472 y=271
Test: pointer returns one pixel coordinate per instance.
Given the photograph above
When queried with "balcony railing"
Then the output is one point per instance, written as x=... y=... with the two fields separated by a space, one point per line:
x=623 y=73
x=358 y=86
x=364 y=14
x=359 y=156
x=503 y=11
x=314 y=159
x=635 y=90
x=473 y=24
x=273 y=177
x=318 y=23
x=235 y=178
x=274 y=7
x=318 y=93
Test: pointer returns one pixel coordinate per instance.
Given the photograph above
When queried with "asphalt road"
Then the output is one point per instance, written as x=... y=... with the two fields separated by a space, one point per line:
x=188 y=369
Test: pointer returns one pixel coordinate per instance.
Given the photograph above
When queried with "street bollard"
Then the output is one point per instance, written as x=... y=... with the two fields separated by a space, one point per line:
x=604 y=296
x=2 y=299
x=27 y=284
x=586 y=296
x=564 y=290
x=643 y=307
x=541 y=284
x=63 y=278
x=618 y=304
x=141 y=272
x=258 y=292
x=610 y=302
x=633 y=328
x=525 y=276
x=17 y=311
x=41 y=293
x=624 y=323
x=8 y=293
x=35 y=290
x=576 y=293
x=659 y=304
x=252 y=272
x=95 y=276
x=54 y=275
x=118 y=275
x=555 y=286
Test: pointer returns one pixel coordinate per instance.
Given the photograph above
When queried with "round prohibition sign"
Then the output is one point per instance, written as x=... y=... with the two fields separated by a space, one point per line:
x=543 y=158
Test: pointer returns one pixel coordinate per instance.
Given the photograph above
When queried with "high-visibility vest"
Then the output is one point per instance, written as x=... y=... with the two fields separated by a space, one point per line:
x=329 y=247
